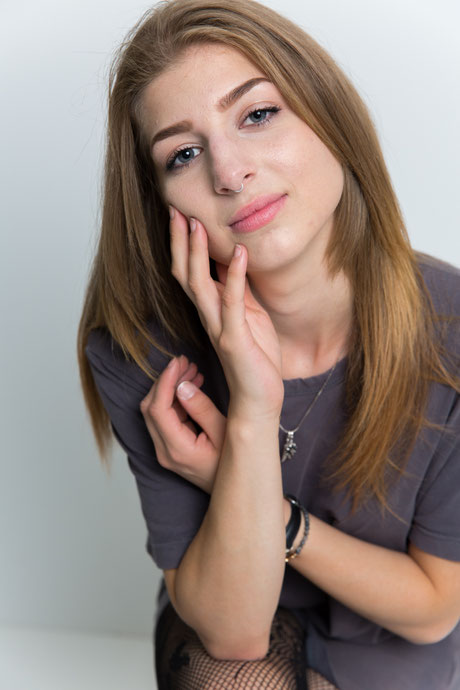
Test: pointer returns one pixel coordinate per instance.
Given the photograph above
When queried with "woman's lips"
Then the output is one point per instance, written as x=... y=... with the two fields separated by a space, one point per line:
x=259 y=218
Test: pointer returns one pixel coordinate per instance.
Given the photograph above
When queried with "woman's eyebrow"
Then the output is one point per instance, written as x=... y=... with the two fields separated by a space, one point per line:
x=224 y=103
x=239 y=91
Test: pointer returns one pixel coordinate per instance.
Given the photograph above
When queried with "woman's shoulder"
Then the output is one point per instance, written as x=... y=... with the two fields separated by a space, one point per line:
x=442 y=280
x=101 y=343
x=107 y=355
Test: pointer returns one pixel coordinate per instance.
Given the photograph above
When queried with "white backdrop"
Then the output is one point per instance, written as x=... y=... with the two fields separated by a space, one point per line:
x=72 y=540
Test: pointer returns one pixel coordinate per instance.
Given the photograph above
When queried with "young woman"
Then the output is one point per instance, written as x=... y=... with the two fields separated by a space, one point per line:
x=279 y=365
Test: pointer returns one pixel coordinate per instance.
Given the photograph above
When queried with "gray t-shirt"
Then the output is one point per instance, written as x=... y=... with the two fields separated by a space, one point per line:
x=350 y=650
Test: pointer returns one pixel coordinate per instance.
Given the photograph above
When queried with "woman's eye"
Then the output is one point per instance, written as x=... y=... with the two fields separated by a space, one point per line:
x=181 y=158
x=261 y=116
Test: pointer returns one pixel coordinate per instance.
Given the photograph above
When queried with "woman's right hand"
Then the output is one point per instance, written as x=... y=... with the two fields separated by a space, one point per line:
x=240 y=330
x=170 y=413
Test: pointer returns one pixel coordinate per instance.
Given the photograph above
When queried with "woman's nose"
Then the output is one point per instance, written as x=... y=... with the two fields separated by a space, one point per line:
x=230 y=166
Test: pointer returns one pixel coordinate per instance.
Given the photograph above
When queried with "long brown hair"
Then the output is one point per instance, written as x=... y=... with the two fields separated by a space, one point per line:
x=395 y=353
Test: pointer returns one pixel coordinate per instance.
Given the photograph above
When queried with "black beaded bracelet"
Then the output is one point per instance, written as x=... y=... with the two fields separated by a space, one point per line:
x=293 y=525
x=293 y=553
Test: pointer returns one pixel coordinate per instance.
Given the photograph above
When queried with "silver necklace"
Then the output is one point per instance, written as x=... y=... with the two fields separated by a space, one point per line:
x=290 y=447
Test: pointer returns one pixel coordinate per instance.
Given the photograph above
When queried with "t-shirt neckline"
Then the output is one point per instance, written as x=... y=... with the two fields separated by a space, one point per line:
x=298 y=386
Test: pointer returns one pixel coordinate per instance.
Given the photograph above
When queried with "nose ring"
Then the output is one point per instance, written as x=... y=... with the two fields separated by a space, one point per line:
x=237 y=191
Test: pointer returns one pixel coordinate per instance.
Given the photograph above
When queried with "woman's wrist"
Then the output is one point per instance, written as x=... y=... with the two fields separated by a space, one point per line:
x=247 y=418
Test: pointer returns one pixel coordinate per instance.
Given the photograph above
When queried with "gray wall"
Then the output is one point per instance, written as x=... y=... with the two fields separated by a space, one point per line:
x=71 y=539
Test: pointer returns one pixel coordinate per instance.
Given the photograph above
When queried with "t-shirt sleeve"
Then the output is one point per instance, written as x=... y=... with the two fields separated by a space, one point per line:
x=436 y=525
x=172 y=507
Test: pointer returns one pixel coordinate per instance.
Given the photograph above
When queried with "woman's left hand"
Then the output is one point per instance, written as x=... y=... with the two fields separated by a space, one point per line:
x=179 y=447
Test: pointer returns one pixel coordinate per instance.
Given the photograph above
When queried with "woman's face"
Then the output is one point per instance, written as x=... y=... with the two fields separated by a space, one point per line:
x=254 y=139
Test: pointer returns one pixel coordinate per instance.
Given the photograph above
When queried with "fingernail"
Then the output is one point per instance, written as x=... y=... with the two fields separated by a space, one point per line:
x=192 y=224
x=171 y=362
x=186 y=390
x=237 y=250
x=172 y=212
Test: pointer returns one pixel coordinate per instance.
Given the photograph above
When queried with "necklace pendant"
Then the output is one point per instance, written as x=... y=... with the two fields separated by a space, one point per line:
x=289 y=447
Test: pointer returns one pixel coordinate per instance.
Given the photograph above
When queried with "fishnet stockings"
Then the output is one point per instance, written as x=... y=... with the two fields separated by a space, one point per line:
x=182 y=662
x=315 y=681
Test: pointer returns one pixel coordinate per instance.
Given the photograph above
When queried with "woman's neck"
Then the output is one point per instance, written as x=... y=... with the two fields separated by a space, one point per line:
x=312 y=316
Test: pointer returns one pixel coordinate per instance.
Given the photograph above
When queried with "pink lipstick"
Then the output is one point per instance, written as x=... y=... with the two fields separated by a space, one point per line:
x=258 y=213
